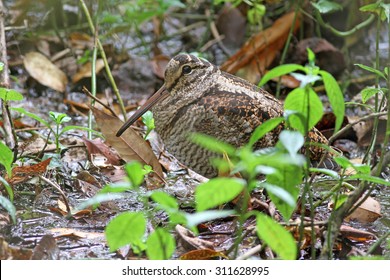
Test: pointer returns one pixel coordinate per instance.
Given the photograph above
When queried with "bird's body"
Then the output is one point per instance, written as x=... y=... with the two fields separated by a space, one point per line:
x=203 y=99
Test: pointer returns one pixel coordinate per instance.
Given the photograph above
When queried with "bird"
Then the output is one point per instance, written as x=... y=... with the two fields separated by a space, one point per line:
x=197 y=97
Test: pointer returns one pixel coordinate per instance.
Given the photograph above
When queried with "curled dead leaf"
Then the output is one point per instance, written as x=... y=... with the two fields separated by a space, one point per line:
x=44 y=71
x=130 y=146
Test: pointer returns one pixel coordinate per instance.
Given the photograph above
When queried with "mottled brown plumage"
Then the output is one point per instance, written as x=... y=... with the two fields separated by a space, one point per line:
x=198 y=97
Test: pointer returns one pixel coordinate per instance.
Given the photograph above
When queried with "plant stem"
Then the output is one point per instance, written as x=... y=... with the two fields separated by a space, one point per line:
x=103 y=54
x=359 y=26
x=387 y=135
x=285 y=49
x=93 y=85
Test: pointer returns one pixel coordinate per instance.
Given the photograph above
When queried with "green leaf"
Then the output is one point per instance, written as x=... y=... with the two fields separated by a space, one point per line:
x=9 y=207
x=263 y=129
x=212 y=144
x=368 y=92
x=305 y=79
x=335 y=96
x=148 y=120
x=280 y=71
x=59 y=118
x=379 y=8
x=308 y=104
x=10 y=95
x=217 y=191
x=165 y=200
x=292 y=141
x=204 y=216
x=8 y=188
x=6 y=158
x=325 y=6
x=276 y=237
x=99 y=198
x=135 y=173
x=115 y=188
x=160 y=245
x=280 y=193
x=126 y=228
x=369 y=178
x=343 y=162
x=31 y=115
x=288 y=178
x=325 y=171
x=372 y=70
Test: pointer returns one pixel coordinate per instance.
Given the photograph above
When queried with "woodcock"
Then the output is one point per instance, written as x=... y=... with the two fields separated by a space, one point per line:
x=198 y=97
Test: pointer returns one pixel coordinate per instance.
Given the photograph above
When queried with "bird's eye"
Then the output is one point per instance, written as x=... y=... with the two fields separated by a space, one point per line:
x=186 y=69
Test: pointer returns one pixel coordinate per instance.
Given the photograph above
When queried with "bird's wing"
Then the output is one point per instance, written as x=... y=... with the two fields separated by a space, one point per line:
x=232 y=117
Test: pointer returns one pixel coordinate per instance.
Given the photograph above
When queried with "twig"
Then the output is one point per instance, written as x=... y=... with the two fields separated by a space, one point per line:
x=57 y=187
x=348 y=126
x=214 y=31
x=10 y=136
x=87 y=92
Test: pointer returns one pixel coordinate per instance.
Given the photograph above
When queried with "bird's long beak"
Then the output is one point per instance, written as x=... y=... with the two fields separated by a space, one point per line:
x=159 y=95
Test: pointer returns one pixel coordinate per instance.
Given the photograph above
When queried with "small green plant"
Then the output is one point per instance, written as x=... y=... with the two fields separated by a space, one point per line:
x=148 y=120
x=256 y=9
x=58 y=119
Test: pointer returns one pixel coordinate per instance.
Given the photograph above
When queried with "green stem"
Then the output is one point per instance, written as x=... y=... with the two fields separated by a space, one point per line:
x=361 y=25
x=103 y=54
x=387 y=135
x=370 y=149
x=93 y=86
x=285 y=49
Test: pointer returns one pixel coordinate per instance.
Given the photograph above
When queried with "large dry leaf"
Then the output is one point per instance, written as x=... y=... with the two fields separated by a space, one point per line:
x=130 y=146
x=44 y=71
x=261 y=49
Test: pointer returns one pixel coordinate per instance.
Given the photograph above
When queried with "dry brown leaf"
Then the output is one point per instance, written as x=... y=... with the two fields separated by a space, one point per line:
x=130 y=146
x=159 y=63
x=189 y=241
x=46 y=249
x=356 y=234
x=23 y=173
x=9 y=252
x=86 y=70
x=203 y=254
x=44 y=71
x=368 y=212
x=364 y=130
x=261 y=49
x=73 y=233
x=97 y=146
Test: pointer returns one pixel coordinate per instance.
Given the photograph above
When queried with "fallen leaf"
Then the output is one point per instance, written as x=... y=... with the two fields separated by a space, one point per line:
x=356 y=234
x=97 y=146
x=130 y=146
x=46 y=249
x=368 y=212
x=203 y=254
x=85 y=71
x=261 y=49
x=44 y=71
x=23 y=173
x=188 y=240
x=159 y=63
